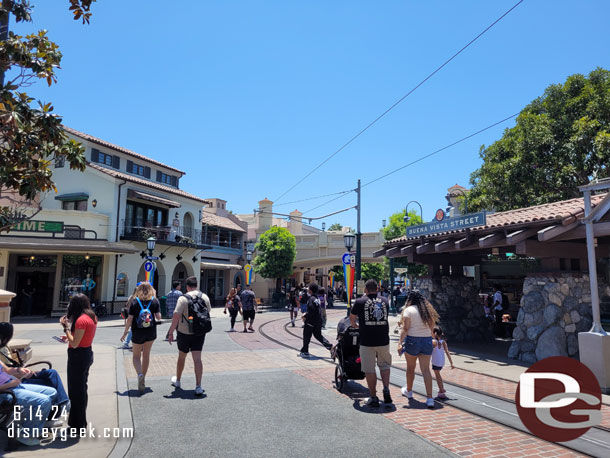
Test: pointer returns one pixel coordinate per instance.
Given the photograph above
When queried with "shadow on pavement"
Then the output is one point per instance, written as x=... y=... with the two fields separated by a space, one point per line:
x=419 y=405
x=183 y=394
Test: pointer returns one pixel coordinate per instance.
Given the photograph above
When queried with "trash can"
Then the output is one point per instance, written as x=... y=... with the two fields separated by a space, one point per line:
x=163 y=302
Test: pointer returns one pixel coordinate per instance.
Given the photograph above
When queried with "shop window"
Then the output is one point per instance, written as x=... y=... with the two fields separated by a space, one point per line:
x=122 y=285
x=36 y=261
x=80 y=275
x=79 y=205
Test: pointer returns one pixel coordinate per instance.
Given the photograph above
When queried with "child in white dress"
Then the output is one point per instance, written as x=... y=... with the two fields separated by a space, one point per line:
x=438 y=359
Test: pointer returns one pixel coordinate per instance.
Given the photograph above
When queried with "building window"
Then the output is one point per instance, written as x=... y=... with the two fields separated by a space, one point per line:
x=167 y=179
x=79 y=205
x=122 y=285
x=60 y=162
x=80 y=275
x=137 y=169
x=105 y=158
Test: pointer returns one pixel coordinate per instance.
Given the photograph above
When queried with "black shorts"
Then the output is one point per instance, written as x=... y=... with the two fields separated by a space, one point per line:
x=141 y=336
x=190 y=342
x=436 y=368
x=249 y=314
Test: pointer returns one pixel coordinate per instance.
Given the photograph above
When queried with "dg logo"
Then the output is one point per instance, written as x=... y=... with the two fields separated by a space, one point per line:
x=558 y=399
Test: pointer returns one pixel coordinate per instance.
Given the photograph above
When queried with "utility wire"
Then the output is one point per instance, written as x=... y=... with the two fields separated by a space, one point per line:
x=314 y=198
x=329 y=201
x=440 y=149
x=395 y=104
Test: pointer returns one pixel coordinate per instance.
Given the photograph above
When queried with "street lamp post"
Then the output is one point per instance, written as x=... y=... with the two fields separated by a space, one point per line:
x=323 y=227
x=150 y=245
x=421 y=212
x=348 y=240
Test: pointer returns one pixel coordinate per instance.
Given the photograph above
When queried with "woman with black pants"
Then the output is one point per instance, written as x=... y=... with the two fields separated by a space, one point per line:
x=79 y=325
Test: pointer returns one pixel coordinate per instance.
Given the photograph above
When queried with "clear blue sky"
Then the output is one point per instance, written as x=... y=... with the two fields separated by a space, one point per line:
x=248 y=96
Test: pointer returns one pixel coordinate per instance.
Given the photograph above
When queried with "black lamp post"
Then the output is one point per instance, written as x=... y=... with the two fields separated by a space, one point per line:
x=150 y=245
x=348 y=240
x=249 y=256
x=421 y=212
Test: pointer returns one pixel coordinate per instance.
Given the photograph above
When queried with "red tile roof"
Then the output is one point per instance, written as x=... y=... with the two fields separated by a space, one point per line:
x=143 y=182
x=101 y=142
x=562 y=212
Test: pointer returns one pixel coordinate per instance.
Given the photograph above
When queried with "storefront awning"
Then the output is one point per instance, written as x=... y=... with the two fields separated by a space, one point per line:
x=31 y=244
x=151 y=198
x=220 y=266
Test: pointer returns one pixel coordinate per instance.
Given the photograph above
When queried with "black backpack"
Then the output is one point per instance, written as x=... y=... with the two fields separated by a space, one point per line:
x=199 y=319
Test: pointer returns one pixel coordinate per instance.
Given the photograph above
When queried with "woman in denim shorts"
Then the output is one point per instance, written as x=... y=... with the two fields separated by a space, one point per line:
x=418 y=321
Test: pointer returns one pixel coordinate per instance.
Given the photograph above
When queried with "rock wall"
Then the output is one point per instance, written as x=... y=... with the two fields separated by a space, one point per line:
x=456 y=299
x=555 y=307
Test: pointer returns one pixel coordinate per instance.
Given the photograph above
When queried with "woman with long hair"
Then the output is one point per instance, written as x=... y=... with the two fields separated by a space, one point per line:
x=144 y=313
x=233 y=305
x=418 y=321
x=79 y=325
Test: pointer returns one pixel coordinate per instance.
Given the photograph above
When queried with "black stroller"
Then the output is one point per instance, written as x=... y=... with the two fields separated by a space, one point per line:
x=347 y=352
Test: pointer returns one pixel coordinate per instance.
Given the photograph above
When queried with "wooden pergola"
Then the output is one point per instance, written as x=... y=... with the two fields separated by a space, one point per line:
x=553 y=232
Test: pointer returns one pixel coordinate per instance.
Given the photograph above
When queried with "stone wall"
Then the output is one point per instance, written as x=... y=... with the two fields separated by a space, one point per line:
x=456 y=299
x=555 y=307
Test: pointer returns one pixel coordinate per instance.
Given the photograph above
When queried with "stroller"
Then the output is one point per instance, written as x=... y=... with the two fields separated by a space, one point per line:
x=347 y=352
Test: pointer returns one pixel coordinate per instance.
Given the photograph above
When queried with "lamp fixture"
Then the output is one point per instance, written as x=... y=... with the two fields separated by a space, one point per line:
x=32 y=257
x=94 y=203
x=323 y=227
x=87 y=256
x=348 y=240
x=150 y=245
x=384 y=223
x=249 y=257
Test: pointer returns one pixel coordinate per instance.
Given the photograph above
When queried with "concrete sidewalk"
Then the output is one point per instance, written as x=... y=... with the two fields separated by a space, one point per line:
x=102 y=407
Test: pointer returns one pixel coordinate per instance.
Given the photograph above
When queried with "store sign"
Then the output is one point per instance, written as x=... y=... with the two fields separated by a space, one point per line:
x=442 y=224
x=39 y=226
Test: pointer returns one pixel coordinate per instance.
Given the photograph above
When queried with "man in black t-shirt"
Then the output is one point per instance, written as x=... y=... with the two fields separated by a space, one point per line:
x=313 y=322
x=370 y=315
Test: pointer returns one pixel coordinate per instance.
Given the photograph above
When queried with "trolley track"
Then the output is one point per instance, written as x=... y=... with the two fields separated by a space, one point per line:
x=489 y=407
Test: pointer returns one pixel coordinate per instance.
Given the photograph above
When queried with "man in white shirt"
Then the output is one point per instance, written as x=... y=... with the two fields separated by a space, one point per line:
x=498 y=310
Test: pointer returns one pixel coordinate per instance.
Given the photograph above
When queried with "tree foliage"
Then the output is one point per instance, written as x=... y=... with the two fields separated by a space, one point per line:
x=373 y=271
x=275 y=253
x=398 y=227
x=335 y=227
x=560 y=141
x=31 y=135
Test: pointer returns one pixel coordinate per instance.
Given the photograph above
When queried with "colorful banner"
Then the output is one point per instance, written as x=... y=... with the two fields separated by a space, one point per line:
x=348 y=275
x=248 y=270
x=149 y=271
x=331 y=280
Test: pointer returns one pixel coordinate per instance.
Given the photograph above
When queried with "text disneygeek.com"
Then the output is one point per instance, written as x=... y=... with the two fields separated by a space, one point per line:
x=64 y=434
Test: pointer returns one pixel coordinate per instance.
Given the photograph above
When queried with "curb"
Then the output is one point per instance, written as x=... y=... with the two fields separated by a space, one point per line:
x=125 y=418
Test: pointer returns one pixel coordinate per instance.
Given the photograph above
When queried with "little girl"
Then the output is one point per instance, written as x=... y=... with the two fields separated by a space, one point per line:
x=438 y=359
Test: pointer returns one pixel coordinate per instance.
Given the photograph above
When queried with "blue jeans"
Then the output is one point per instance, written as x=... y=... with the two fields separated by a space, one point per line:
x=36 y=402
x=49 y=377
x=418 y=345
x=128 y=338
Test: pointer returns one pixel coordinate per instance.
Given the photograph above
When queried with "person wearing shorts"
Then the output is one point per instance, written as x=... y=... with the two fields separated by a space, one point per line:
x=187 y=341
x=248 y=308
x=370 y=315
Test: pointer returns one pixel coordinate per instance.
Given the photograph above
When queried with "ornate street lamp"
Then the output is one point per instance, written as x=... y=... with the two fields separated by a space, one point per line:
x=323 y=227
x=421 y=212
x=249 y=256
x=348 y=240
x=150 y=245
x=383 y=223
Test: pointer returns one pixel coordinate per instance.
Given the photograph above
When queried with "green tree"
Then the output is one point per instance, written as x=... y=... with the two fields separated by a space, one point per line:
x=560 y=141
x=275 y=253
x=335 y=227
x=338 y=270
x=373 y=271
x=31 y=135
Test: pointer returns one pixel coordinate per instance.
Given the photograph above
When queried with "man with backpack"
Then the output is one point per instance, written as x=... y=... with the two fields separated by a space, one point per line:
x=192 y=320
x=313 y=322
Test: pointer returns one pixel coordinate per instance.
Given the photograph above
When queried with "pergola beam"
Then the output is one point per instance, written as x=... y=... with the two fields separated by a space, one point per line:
x=515 y=237
x=425 y=248
x=393 y=252
x=552 y=232
x=599 y=230
x=444 y=245
x=407 y=250
x=492 y=240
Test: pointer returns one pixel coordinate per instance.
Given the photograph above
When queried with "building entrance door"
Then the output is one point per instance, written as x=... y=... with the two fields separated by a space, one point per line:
x=32 y=278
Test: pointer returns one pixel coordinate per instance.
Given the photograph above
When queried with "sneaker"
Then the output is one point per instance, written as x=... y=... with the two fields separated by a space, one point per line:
x=29 y=441
x=387 y=399
x=372 y=402
x=405 y=393
x=198 y=391
x=141 y=383
x=232 y=330
x=430 y=403
x=304 y=354
x=245 y=330
x=175 y=382
x=251 y=329
x=442 y=395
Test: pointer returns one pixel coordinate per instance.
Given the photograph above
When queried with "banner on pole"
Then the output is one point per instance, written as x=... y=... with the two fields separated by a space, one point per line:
x=149 y=271
x=248 y=271
x=348 y=275
x=331 y=280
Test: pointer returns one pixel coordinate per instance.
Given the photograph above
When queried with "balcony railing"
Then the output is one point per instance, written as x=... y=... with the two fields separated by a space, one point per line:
x=179 y=234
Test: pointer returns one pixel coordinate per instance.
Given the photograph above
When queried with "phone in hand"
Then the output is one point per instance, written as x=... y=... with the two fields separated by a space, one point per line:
x=61 y=339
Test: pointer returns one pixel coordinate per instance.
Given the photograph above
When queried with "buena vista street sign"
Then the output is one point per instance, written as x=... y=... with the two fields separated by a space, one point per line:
x=443 y=224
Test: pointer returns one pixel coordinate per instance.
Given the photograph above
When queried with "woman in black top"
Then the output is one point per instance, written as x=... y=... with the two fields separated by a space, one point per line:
x=233 y=304
x=144 y=314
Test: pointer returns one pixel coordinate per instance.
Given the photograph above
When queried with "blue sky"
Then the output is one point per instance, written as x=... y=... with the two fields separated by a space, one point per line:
x=248 y=96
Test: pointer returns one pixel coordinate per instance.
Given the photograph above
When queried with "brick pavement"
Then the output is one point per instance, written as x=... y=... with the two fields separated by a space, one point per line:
x=460 y=432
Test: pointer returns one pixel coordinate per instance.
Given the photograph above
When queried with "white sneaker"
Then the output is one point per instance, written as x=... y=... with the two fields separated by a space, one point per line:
x=405 y=393
x=175 y=382
x=430 y=403
x=198 y=391
x=141 y=383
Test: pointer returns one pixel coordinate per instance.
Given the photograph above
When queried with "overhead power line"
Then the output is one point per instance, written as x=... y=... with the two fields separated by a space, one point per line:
x=395 y=104
x=440 y=149
x=314 y=198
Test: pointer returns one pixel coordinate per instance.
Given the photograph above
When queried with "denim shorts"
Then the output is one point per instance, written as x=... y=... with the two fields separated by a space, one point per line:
x=418 y=345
